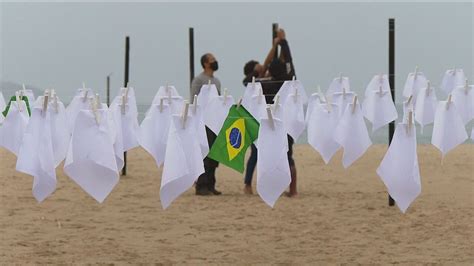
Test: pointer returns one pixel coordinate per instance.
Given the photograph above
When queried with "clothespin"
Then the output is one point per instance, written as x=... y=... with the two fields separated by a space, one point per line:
x=276 y=102
x=126 y=91
x=428 y=88
x=260 y=95
x=83 y=85
x=225 y=95
x=354 y=102
x=124 y=102
x=45 y=101
x=296 y=95
x=24 y=89
x=416 y=73
x=18 y=100
x=93 y=103
x=97 y=99
x=340 y=77
x=209 y=85
x=185 y=113
x=321 y=96
x=293 y=79
x=195 y=103
x=239 y=102
x=448 y=102
x=270 y=118
x=55 y=100
x=328 y=104
x=161 y=105
x=409 y=100
x=85 y=96
x=409 y=122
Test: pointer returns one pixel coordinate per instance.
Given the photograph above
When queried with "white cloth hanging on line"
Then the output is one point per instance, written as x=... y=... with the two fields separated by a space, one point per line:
x=452 y=78
x=14 y=126
x=79 y=102
x=257 y=107
x=464 y=99
x=342 y=99
x=321 y=126
x=183 y=161
x=425 y=106
x=290 y=87
x=207 y=93
x=92 y=160
x=399 y=168
x=313 y=100
x=293 y=116
x=377 y=81
x=351 y=134
x=36 y=156
x=128 y=117
x=338 y=84
x=154 y=131
x=379 y=109
x=252 y=89
x=216 y=112
x=448 y=129
x=273 y=170
x=414 y=82
x=165 y=91
x=200 y=128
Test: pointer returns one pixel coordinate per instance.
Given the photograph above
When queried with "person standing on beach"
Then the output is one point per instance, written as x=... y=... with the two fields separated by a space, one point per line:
x=271 y=74
x=206 y=183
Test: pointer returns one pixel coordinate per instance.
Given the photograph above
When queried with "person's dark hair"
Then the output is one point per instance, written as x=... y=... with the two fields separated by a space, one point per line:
x=277 y=70
x=249 y=67
x=204 y=59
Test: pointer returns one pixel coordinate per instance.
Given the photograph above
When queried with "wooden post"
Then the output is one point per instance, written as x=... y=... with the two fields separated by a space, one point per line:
x=108 y=90
x=391 y=81
x=125 y=84
x=191 y=56
x=274 y=35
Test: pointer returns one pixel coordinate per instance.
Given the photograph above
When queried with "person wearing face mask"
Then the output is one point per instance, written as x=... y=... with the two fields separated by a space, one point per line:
x=206 y=183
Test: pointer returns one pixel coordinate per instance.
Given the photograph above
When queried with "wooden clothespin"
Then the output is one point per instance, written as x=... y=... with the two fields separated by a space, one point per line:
x=354 y=104
x=45 y=101
x=18 y=100
x=225 y=95
x=93 y=103
x=428 y=88
x=239 y=102
x=409 y=100
x=276 y=102
x=55 y=100
x=124 y=103
x=416 y=73
x=260 y=96
x=253 y=83
x=161 y=104
x=24 y=89
x=328 y=104
x=97 y=99
x=448 y=102
x=270 y=118
x=409 y=122
x=185 y=113
x=209 y=85
x=85 y=96
x=195 y=103
x=295 y=96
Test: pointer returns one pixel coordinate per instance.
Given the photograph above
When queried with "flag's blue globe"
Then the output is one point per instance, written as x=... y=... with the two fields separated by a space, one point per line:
x=235 y=138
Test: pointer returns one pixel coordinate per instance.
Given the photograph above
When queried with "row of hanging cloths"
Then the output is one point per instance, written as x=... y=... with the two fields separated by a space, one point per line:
x=333 y=121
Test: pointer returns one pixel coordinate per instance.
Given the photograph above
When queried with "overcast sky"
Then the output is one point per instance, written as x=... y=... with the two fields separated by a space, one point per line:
x=59 y=45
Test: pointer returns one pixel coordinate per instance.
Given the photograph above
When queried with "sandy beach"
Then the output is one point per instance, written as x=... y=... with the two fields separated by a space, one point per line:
x=340 y=216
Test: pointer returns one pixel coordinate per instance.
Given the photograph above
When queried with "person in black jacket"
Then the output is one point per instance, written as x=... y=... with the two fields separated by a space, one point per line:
x=275 y=70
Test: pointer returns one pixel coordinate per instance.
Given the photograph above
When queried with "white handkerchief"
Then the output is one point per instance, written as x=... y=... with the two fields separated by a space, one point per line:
x=13 y=127
x=412 y=84
x=36 y=157
x=183 y=161
x=30 y=95
x=165 y=91
x=342 y=99
x=351 y=134
x=290 y=87
x=273 y=170
x=425 y=106
x=82 y=92
x=448 y=129
x=60 y=133
x=452 y=78
x=129 y=122
x=206 y=94
x=257 y=107
x=293 y=116
x=277 y=111
x=78 y=103
x=91 y=160
x=131 y=100
x=376 y=82
x=408 y=107
x=379 y=109
x=3 y=105
x=114 y=121
x=399 y=168
x=216 y=112
x=154 y=132
x=464 y=99
x=321 y=126
x=313 y=100
x=338 y=85
x=200 y=128
x=252 y=89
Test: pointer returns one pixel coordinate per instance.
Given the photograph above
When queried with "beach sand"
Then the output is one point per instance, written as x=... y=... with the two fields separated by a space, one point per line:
x=340 y=216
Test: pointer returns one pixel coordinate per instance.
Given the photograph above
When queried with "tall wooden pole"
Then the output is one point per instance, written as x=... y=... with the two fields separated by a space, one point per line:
x=274 y=35
x=391 y=81
x=191 y=56
x=125 y=84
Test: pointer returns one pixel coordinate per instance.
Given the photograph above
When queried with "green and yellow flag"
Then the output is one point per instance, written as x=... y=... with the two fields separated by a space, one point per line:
x=239 y=131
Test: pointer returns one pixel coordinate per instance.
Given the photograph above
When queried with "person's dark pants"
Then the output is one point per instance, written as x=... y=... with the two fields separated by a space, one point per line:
x=208 y=178
x=252 y=161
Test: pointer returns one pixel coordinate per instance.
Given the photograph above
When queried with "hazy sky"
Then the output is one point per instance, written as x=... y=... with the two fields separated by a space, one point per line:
x=59 y=45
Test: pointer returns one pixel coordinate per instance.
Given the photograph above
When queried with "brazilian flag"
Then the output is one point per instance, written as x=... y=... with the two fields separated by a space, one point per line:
x=239 y=131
